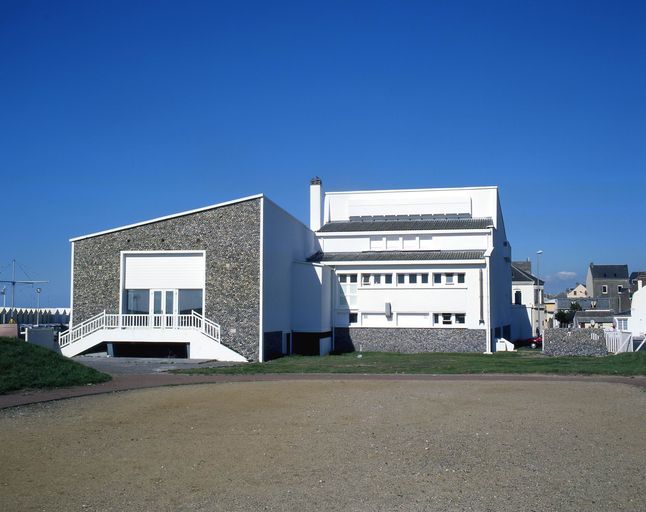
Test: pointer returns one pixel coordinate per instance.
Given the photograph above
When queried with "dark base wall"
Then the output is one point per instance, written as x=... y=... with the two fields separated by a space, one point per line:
x=574 y=342
x=409 y=340
x=272 y=345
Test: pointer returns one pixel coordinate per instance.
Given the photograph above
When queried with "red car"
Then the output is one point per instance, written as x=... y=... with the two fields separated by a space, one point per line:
x=535 y=342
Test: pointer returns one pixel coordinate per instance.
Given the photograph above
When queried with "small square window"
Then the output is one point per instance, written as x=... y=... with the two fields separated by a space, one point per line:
x=365 y=279
x=604 y=289
x=353 y=317
x=446 y=319
x=620 y=288
x=412 y=278
x=353 y=278
x=461 y=278
x=436 y=318
x=460 y=318
x=343 y=278
x=400 y=278
x=449 y=278
x=388 y=279
x=424 y=278
x=376 y=278
x=437 y=278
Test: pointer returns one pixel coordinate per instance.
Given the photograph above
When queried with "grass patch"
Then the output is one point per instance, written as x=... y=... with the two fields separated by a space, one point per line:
x=440 y=363
x=27 y=366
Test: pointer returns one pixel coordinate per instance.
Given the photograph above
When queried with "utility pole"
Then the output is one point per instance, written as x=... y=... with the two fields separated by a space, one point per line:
x=13 y=284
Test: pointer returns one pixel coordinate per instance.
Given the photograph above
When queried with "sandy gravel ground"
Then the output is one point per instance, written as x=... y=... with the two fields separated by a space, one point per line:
x=331 y=445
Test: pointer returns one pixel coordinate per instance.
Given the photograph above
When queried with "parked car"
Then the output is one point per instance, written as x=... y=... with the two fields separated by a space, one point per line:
x=535 y=342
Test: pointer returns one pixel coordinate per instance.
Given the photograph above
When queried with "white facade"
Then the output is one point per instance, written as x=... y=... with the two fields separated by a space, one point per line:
x=410 y=283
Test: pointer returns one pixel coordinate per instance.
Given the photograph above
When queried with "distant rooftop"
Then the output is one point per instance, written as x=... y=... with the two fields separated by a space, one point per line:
x=609 y=271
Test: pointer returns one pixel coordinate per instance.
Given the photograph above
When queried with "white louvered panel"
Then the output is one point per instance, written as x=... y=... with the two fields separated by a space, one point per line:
x=164 y=270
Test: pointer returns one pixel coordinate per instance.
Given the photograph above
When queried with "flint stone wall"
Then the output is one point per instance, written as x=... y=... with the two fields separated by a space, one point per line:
x=574 y=342
x=409 y=340
x=230 y=237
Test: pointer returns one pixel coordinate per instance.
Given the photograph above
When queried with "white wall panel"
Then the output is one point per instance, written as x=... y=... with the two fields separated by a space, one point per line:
x=164 y=270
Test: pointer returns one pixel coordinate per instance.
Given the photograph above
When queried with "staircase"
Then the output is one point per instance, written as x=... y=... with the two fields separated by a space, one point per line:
x=202 y=334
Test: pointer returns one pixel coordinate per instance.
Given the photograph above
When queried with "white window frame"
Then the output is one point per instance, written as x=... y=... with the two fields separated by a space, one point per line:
x=604 y=288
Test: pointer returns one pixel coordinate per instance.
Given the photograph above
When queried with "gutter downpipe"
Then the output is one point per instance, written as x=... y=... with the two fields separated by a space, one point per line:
x=488 y=295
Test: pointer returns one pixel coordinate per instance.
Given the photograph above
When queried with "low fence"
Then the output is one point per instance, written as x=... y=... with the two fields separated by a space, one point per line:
x=32 y=316
x=618 y=342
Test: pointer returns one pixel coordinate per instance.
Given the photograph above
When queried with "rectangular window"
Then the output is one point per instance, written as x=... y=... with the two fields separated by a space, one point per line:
x=377 y=243
x=393 y=243
x=446 y=319
x=410 y=243
x=412 y=278
x=436 y=318
x=461 y=278
x=347 y=290
x=388 y=278
x=376 y=278
x=401 y=278
x=137 y=302
x=352 y=318
x=424 y=278
x=620 y=288
x=437 y=278
x=365 y=279
x=604 y=289
x=448 y=278
x=190 y=300
x=460 y=318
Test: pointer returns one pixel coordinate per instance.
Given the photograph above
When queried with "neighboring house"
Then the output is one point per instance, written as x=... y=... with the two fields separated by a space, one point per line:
x=637 y=319
x=527 y=298
x=594 y=319
x=550 y=311
x=400 y=270
x=610 y=281
x=581 y=305
x=577 y=292
x=637 y=281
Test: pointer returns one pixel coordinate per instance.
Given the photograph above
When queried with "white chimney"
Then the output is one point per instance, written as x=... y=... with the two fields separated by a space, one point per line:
x=316 y=203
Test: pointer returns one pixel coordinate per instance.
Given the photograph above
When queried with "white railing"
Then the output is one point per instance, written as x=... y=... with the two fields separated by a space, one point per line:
x=114 y=321
x=619 y=341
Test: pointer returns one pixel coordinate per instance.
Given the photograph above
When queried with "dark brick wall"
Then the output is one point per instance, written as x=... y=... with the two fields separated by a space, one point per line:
x=409 y=340
x=230 y=235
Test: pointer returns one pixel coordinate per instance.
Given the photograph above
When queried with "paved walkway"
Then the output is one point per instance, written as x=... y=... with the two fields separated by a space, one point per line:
x=124 y=382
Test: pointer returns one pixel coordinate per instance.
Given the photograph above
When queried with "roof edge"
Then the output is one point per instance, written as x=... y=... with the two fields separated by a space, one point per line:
x=394 y=190
x=167 y=217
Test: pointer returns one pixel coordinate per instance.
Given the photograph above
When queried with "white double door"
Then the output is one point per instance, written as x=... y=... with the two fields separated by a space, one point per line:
x=163 y=307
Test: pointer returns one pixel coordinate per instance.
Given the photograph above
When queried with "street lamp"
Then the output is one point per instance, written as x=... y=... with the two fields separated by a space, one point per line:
x=4 y=303
x=38 y=290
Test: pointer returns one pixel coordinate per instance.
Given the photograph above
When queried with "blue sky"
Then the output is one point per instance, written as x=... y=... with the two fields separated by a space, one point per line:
x=117 y=112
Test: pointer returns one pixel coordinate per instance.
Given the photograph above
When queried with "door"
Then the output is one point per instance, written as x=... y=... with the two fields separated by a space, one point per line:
x=163 y=308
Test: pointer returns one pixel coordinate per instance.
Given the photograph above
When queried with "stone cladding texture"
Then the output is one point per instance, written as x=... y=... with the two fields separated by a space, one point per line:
x=230 y=235
x=409 y=340
x=574 y=342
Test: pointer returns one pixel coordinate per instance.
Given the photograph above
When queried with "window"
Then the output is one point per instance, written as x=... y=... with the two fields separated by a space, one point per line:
x=461 y=278
x=138 y=302
x=620 y=288
x=388 y=278
x=377 y=243
x=622 y=324
x=424 y=278
x=604 y=288
x=376 y=278
x=440 y=319
x=365 y=279
x=412 y=278
x=189 y=300
x=348 y=290
x=448 y=278
x=401 y=278
x=437 y=278
x=353 y=318
x=518 y=297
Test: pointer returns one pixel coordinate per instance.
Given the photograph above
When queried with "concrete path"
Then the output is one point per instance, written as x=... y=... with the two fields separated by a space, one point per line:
x=128 y=381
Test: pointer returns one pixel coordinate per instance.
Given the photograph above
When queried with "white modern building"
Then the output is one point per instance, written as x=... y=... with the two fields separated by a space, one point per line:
x=400 y=270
